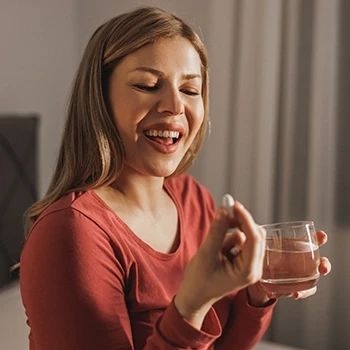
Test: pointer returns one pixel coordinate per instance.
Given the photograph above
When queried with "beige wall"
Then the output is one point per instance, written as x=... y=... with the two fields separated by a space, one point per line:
x=38 y=45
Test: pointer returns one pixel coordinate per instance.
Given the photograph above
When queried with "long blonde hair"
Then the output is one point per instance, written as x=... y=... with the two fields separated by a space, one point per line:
x=91 y=152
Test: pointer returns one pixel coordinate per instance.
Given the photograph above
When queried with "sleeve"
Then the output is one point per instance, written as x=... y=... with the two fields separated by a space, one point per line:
x=72 y=288
x=172 y=331
x=247 y=324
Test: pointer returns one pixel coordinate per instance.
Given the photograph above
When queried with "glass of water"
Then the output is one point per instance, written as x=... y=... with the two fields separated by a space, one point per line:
x=291 y=258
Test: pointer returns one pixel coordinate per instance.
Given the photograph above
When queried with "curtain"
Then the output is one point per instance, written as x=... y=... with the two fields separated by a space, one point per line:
x=279 y=139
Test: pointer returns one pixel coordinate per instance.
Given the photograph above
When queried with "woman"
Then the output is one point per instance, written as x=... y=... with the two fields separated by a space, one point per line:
x=125 y=251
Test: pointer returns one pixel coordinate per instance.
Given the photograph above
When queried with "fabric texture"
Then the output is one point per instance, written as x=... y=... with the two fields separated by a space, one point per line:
x=88 y=282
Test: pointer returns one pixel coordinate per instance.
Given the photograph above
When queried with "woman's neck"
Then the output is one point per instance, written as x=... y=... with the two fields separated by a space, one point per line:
x=145 y=193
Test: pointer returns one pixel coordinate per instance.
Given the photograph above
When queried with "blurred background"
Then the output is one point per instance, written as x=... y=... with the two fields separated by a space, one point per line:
x=280 y=120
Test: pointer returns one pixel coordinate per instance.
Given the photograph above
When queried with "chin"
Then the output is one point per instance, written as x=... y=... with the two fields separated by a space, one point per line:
x=164 y=173
x=161 y=171
x=156 y=168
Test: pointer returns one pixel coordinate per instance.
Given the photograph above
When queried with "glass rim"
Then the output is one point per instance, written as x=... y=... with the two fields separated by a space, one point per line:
x=288 y=224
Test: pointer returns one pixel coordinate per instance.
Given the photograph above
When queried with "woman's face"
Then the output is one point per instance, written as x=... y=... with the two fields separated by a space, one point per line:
x=156 y=101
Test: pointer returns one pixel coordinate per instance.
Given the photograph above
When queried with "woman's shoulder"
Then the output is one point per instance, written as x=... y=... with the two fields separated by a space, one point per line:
x=72 y=209
x=69 y=201
x=67 y=221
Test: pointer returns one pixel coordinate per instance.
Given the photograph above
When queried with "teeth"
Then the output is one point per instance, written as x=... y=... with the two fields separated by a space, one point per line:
x=163 y=133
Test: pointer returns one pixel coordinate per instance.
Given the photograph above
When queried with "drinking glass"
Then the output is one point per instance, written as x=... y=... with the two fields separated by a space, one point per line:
x=291 y=258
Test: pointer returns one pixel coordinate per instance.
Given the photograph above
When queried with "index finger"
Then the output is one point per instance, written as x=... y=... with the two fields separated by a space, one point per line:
x=254 y=246
x=245 y=221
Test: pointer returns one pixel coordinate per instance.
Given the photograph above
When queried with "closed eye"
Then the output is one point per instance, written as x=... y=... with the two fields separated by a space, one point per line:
x=147 y=88
x=190 y=92
x=154 y=88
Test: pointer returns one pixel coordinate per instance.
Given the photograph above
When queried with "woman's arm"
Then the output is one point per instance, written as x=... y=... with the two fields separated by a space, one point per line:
x=72 y=286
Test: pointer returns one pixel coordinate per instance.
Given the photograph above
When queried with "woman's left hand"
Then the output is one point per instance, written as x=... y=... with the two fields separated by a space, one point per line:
x=324 y=268
x=258 y=297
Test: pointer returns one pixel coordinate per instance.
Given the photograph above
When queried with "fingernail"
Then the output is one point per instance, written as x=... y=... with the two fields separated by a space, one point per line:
x=235 y=251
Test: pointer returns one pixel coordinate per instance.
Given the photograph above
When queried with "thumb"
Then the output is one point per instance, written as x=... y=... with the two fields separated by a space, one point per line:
x=217 y=232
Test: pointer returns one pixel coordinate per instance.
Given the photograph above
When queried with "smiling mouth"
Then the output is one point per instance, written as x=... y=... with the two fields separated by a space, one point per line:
x=164 y=137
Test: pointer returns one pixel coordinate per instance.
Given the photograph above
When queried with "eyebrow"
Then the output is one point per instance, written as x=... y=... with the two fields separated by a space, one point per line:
x=161 y=74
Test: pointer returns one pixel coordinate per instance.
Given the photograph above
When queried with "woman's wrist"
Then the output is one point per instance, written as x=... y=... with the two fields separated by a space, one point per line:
x=195 y=316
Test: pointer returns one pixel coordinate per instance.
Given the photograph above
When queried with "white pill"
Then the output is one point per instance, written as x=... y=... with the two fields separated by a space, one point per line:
x=228 y=202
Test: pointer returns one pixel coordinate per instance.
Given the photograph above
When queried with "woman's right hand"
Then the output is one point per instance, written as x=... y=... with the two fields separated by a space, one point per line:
x=212 y=274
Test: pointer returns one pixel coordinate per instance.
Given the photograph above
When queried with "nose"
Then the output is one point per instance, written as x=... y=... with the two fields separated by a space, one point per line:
x=170 y=102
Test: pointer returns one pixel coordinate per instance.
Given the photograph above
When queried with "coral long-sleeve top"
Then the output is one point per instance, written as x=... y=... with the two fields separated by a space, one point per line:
x=89 y=283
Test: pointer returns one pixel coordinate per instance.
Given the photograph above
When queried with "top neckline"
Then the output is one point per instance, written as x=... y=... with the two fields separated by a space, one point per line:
x=141 y=243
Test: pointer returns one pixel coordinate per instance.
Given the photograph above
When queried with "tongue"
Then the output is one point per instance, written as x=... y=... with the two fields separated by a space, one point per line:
x=162 y=140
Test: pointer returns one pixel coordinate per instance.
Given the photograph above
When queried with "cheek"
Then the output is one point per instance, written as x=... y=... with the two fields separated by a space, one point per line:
x=128 y=113
x=129 y=105
x=198 y=118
